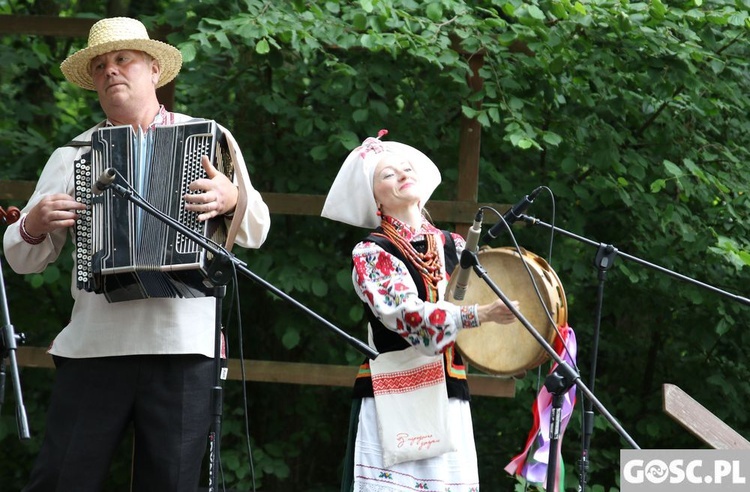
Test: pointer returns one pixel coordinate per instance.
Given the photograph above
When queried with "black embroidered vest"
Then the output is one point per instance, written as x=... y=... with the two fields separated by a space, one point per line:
x=386 y=340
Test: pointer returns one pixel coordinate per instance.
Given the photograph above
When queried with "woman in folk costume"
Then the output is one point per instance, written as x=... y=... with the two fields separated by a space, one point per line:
x=411 y=425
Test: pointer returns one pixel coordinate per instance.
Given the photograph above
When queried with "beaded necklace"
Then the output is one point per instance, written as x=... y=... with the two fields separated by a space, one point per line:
x=427 y=263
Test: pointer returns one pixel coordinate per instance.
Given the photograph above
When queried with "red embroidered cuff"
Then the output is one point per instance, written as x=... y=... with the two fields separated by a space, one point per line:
x=469 y=318
x=28 y=237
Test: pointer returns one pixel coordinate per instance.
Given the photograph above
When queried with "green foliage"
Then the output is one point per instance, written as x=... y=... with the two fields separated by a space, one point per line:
x=633 y=114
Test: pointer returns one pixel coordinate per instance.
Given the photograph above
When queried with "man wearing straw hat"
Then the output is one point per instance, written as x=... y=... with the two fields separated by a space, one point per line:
x=147 y=362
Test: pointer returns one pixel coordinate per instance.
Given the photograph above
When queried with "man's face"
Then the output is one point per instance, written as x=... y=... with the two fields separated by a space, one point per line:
x=122 y=76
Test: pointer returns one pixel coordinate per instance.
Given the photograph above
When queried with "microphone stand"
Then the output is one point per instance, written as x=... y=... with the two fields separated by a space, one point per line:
x=557 y=383
x=734 y=297
x=218 y=275
x=8 y=345
x=605 y=256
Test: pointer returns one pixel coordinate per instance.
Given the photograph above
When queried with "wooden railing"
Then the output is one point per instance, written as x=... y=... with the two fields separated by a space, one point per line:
x=452 y=212
x=266 y=371
x=700 y=421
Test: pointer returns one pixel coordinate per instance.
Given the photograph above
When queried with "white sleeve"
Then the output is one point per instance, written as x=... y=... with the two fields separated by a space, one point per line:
x=57 y=177
x=251 y=221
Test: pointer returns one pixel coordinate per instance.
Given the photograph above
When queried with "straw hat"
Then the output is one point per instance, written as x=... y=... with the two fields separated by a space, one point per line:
x=120 y=33
x=351 y=199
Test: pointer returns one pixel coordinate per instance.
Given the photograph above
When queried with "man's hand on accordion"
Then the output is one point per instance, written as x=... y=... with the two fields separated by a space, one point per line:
x=53 y=212
x=216 y=195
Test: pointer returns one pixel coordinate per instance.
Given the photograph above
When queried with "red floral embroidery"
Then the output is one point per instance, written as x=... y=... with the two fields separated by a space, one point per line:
x=384 y=263
x=413 y=319
x=359 y=266
x=439 y=337
x=400 y=287
x=437 y=317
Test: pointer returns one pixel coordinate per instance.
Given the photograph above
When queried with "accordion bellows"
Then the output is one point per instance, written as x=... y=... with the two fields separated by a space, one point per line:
x=126 y=253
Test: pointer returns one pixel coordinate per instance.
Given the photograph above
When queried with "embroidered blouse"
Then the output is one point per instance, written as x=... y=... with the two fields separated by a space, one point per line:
x=383 y=282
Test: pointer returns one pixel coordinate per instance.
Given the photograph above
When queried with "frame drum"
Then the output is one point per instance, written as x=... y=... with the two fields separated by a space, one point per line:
x=509 y=350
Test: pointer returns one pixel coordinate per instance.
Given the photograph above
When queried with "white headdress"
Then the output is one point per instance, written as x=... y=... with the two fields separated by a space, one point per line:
x=351 y=199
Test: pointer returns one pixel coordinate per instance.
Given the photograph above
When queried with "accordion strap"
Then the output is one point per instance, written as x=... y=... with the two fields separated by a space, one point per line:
x=78 y=143
x=85 y=143
x=242 y=180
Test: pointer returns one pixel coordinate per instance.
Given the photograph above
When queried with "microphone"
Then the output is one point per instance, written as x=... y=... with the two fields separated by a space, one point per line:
x=104 y=181
x=512 y=215
x=472 y=242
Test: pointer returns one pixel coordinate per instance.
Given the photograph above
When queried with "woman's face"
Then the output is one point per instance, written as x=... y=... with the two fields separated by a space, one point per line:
x=395 y=183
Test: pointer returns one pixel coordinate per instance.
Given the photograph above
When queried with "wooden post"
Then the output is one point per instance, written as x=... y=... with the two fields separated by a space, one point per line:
x=165 y=95
x=470 y=144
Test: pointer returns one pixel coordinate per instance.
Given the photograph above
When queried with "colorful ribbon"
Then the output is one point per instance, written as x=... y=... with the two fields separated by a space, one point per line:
x=531 y=464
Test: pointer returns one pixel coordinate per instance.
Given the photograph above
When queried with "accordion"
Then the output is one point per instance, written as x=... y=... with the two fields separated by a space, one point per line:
x=121 y=250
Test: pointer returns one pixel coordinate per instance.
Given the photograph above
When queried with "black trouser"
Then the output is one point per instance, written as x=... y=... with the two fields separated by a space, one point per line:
x=167 y=398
